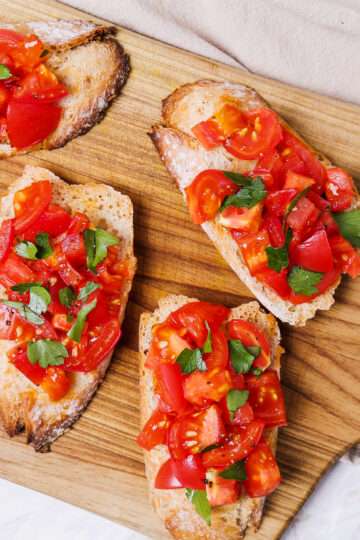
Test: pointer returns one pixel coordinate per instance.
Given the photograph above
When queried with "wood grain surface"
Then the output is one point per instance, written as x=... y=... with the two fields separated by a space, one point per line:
x=97 y=465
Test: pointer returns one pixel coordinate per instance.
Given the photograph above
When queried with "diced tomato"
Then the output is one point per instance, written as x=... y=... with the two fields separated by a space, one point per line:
x=56 y=383
x=266 y=398
x=166 y=345
x=53 y=221
x=230 y=118
x=262 y=133
x=30 y=203
x=297 y=181
x=4 y=96
x=192 y=318
x=155 y=431
x=73 y=247
x=339 y=189
x=67 y=272
x=60 y=322
x=206 y=193
x=30 y=123
x=209 y=134
x=314 y=253
x=277 y=281
x=186 y=473
x=219 y=356
x=303 y=216
x=14 y=270
x=275 y=230
x=250 y=335
x=7 y=235
x=262 y=472
x=329 y=223
x=243 y=219
x=33 y=372
x=10 y=37
x=243 y=415
x=278 y=201
x=320 y=202
x=253 y=248
x=346 y=257
x=170 y=386
x=191 y=433
x=239 y=444
x=12 y=326
x=221 y=491
x=79 y=223
x=26 y=55
x=42 y=85
x=203 y=387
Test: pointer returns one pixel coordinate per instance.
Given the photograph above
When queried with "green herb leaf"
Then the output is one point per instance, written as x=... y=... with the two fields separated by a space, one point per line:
x=43 y=244
x=46 y=352
x=39 y=299
x=237 y=178
x=90 y=246
x=236 y=399
x=89 y=288
x=255 y=350
x=278 y=258
x=66 y=296
x=235 y=472
x=27 y=250
x=201 y=504
x=349 y=225
x=248 y=196
x=295 y=200
x=207 y=347
x=25 y=312
x=103 y=240
x=256 y=371
x=241 y=357
x=189 y=360
x=5 y=72
x=303 y=281
x=77 y=328
x=24 y=287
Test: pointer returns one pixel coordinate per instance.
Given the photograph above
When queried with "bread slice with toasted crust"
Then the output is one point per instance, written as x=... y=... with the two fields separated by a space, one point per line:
x=90 y=62
x=228 y=522
x=185 y=157
x=24 y=406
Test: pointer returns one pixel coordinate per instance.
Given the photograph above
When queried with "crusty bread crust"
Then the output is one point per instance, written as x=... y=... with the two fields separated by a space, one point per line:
x=184 y=157
x=229 y=522
x=92 y=64
x=24 y=406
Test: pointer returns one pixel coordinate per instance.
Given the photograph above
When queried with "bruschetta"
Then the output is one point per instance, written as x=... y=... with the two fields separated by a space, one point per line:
x=284 y=218
x=66 y=269
x=211 y=406
x=57 y=79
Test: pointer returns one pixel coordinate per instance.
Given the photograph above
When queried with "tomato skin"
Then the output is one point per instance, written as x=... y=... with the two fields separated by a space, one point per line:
x=53 y=221
x=166 y=345
x=67 y=272
x=243 y=219
x=13 y=271
x=267 y=399
x=239 y=445
x=315 y=198
x=346 y=257
x=7 y=235
x=314 y=253
x=249 y=335
x=56 y=383
x=170 y=386
x=221 y=491
x=339 y=189
x=243 y=416
x=297 y=181
x=275 y=230
x=186 y=473
x=262 y=472
x=154 y=431
x=219 y=356
x=10 y=37
x=313 y=167
x=34 y=373
x=277 y=281
x=206 y=193
x=208 y=134
x=277 y=202
x=40 y=85
x=202 y=387
x=60 y=322
x=30 y=123
x=253 y=249
x=73 y=246
x=30 y=203
x=303 y=217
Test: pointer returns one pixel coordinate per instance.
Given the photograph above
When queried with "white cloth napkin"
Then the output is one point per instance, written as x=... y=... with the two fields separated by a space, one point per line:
x=312 y=44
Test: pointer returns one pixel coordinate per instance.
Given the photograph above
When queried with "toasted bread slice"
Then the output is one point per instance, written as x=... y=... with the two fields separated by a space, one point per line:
x=24 y=406
x=228 y=522
x=86 y=57
x=184 y=157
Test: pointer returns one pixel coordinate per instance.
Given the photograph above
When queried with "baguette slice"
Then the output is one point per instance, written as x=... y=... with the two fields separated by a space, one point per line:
x=229 y=522
x=24 y=406
x=184 y=157
x=92 y=64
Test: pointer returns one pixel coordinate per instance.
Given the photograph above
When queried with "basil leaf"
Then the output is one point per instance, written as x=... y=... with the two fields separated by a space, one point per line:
x=238 y=178
x=89 y=240
x=103 y=240
x=241 y=357
x=39 y=299
x=248 y=196
x=43 y=244
x=201 y=504
x=27 y=250
x=235 y=472
x=189 y=360
x=236 y=399
x=5 y=72
x=77 y=328
x=66 y=296
x=89 y=288
x=349 y=225
x=46 y=352
x=24 y=287
x=25 y=312
x=303 y=281
x=278 y=258
x=207 y=347
x=295 y=200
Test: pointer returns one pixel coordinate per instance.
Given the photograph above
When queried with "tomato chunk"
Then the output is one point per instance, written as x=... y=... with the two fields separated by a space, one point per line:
x=253 y=248
x=219 y=356
x=314 y=253
x=221 y=491
x=209 y=134
x=262 y=472
x=277 y=202
x=170 y=386
x=297 y=181
x=30 y=203
x=186 y=473
x=202 y=387
x=13 y=270
x=275 y=230
x=19 y=358
x=155 y=430
x=303 y=216
x=6 y=237
x=53 y=221
x=277 y=281
x=249 y=334
x=267 y=399
x=56 y=383
x=243 y=219
x=230 y=119
x=40 y=85
x=339 y=189
x=346 y=257
x=166 y=345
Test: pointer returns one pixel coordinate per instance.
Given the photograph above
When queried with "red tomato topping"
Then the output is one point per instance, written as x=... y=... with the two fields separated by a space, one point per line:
x=186 y=473
x=249 y=334
x=253 y=248
x=346 y=257
x=6 y=237
x=40 y=85
x=220 y=491
x=30 y=203
x=53 y=221
x=297 y=181
x=13 y=270
x=219 y=356
x=155 y=431
x=303 y=216
x=266 y=398
x=202 y=387
x=262 y=472
x=243 y=219
x=170 y=388
x=56 y=383
x=277 y=281
x=339 y=189
x=277 y=202
x=19 y=358
x=314 y=253
x=166 y=345
x=209 y=134
x=275 y=230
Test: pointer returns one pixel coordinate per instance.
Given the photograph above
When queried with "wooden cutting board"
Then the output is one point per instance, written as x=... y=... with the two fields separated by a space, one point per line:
x=97 y=465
